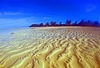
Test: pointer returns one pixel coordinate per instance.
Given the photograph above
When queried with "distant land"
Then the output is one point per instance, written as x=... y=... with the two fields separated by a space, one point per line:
x=68 y=23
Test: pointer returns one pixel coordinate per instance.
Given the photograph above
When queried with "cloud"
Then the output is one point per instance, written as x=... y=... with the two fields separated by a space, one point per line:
x=13 y=21
x=90 y=8
x=13 y=13
x=6 y=23
x=46 y=18
x=1 y=13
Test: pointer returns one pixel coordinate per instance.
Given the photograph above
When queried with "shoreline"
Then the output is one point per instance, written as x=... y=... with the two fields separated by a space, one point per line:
x=50 y=48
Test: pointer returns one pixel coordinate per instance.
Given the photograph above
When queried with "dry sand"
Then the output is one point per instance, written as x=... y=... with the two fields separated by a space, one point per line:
x=72 y=47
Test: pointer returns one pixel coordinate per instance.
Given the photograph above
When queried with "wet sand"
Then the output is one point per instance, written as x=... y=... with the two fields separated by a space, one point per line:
x=62 y=47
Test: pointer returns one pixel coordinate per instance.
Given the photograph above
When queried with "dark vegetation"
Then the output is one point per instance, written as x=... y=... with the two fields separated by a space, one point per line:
x=69 y=23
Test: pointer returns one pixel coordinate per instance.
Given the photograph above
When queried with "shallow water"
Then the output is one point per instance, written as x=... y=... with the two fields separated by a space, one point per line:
x=51 y=48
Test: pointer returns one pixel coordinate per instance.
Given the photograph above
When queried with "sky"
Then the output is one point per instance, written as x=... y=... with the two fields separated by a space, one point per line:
x=22 y=13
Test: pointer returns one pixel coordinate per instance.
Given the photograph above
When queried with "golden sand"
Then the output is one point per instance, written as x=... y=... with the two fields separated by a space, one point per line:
x=77 y=47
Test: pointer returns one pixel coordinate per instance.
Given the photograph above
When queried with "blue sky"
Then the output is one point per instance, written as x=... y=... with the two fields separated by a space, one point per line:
x=17 y=13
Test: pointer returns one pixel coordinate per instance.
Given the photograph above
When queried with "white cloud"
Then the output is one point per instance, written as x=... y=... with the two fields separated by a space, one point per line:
x=46 y=18
x=15 y=22
x=90 y=8
x=2 y=13
x=12 y=21
x=13 y=13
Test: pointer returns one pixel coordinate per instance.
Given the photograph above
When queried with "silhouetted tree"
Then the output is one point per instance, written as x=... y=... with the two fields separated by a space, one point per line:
x=34 y=25
x=60 y=23
x=82 y=23
x=47 y=24
x=53 y=23
x=41 y=24
x=68 y=22
x=96 y=23
x=89 y=23
x=75 y=23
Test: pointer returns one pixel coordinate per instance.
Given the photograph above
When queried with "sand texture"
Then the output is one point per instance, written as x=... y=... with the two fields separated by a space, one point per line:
x=77 y=47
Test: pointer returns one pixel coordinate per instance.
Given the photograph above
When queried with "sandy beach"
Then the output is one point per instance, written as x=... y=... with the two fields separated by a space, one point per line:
x=51 y=47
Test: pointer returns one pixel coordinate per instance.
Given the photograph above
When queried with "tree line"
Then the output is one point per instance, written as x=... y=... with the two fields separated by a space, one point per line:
x=68 y=23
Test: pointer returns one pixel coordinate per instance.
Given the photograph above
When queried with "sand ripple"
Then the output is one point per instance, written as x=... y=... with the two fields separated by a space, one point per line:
x=51 y=48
